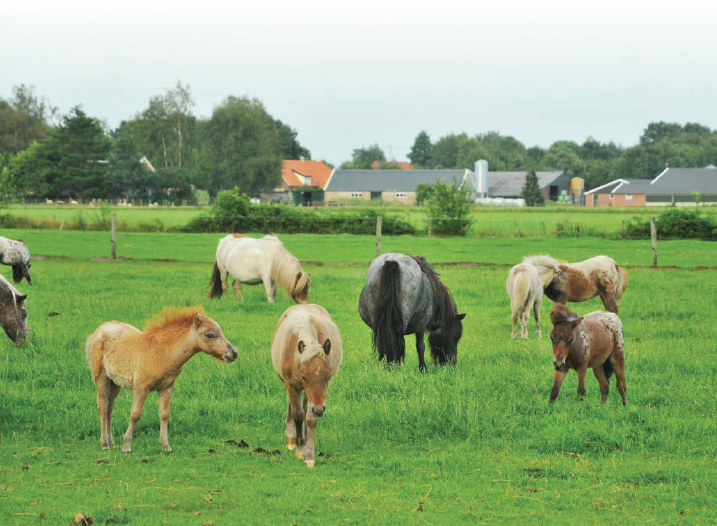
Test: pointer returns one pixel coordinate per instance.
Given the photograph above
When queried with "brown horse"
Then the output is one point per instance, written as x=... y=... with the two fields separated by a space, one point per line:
x=13 y=312
x=306 y=351
x=594 y=341
x=123 y=356
x=582 y=281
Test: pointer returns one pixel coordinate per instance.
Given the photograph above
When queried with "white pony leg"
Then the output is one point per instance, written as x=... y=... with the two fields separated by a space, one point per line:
x=269 y=287
x=536 y=312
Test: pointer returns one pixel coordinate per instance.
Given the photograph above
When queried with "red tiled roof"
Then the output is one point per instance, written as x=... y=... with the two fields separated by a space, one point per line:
x=376 y=165
x=293 y=173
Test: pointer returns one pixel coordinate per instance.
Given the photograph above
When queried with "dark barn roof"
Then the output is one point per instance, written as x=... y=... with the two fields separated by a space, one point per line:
x=510 y=184
x=670 y=181
x=345 y=180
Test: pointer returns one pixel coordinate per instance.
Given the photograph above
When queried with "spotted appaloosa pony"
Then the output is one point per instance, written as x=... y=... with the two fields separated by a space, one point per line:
x=13 y=312
x=526 y=292
x=598 y=276
x=594 y=341
x=16 y=254
x=306 y=351
x=123 y=356
x=253 y=261
x=404 y=295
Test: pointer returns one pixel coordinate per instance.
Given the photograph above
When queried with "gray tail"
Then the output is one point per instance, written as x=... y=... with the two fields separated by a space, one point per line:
x=388 y=319
x=215 y=284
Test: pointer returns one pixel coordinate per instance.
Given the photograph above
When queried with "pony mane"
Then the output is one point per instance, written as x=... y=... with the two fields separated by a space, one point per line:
x=441 y=295
x=284 y=269
x=541 y=260
x=5 y=283
x=562 y=314
x=173 y=317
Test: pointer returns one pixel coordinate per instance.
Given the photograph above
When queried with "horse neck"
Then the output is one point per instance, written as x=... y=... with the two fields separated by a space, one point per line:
x=284 y=269
x=444 y=308
x=173 y=351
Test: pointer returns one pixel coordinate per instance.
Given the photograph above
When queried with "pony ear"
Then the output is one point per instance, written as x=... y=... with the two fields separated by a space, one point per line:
x=298 y=277
x=577 y=322
x=301 y=347
x=461 y=316
x=198 y=319
x=21 y=298
x=327 y=346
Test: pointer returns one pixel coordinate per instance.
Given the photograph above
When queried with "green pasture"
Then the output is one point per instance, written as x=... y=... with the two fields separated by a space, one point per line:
x=486 y=221
x=472 y=444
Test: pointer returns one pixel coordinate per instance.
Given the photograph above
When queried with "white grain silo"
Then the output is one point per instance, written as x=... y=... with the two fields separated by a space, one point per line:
x=481 y=175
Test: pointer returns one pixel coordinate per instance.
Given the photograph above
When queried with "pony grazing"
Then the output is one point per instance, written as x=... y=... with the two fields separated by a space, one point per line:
x=123 y=356
x=13 y=312
x=403 y=295
x=253 y=261
x=598 y=276
x=16 y=254
x=594 y=341
x=526 y=292
x=306 y=351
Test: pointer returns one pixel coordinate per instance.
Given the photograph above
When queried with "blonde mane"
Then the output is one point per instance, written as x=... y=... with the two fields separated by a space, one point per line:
x=173 y=317
x=546 y=265
x=284 y=270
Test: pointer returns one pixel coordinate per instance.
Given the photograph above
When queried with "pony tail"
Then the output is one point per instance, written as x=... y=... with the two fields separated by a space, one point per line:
x=622 y=280
x=388 y=318
x=607 y=369
x=520 y=292
x=215 y=284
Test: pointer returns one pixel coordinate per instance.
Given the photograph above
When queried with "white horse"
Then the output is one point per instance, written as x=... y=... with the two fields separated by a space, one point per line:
x=16 y=254
x=526 y=291
x=253 y=261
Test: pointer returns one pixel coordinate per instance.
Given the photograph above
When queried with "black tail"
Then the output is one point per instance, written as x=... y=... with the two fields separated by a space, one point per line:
x=215 y=284
x=607 y=369
x=387 y=318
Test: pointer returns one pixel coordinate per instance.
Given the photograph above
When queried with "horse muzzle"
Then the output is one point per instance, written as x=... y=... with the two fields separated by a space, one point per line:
x=230 y=355
x=318 y=410
x=562 y=366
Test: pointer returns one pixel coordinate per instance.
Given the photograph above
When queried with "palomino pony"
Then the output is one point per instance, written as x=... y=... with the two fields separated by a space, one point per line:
x=123 y=356
x=595 y=341
x=306 y=351
x=16 y=254
x=526 y=292
x=582 y=281
x=13 y=312
x=253 y=261
x=403 y=295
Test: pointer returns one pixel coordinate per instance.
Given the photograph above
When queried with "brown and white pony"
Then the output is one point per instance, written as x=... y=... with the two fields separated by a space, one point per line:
x=13 y=312
x=526 y=292
x=306 y=351
x=122 y=356
x=595 y=341
x=582 y=281
x=253 y=261
x=15 y=253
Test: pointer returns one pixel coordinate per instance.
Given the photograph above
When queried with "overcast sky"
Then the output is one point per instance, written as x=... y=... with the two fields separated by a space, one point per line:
x=349 y=74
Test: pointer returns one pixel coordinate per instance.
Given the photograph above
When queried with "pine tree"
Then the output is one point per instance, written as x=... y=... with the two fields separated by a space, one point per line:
x=531 y=191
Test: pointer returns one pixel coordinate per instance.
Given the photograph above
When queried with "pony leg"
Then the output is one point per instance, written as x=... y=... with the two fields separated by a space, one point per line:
x=618 y=364
x=514 y=318
x=581 y=381
x=164 y=399
x=608 y=300
x=536 y=312
x=421 y=349
x=524 y=324
x=237 y=289
x=557 y=383
x=140 y=395
x=298 y=414
x=290 y=433
x=603 y=382
x=103 y=391
x=270 y=288
x=114 y=391
x=223 y=276
x=311 y=422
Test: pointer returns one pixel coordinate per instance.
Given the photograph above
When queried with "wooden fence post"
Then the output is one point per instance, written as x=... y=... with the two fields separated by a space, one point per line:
x=114 y=236
x=379 y=221
x=622 y=228
x=653 y=234
x=430 y=226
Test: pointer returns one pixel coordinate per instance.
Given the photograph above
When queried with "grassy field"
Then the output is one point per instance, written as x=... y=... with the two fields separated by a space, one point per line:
x=473 y=444
x=487 y=221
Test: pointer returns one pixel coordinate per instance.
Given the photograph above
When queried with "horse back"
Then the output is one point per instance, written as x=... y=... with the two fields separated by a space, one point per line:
x=111 y=347
x=604 y=333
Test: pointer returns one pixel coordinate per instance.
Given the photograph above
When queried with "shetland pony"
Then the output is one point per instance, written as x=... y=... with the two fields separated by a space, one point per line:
x=526 y=292
x=594 y=341
x=403 y=295
x=16 y=254
x=123 y=356
x=598 y=276
x=253 y=261
x=306 y=351
x=13 y=312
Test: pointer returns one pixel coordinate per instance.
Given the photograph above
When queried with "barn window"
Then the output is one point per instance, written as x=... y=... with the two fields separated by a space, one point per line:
x=628 y=197
x=401 y=195
x=356 y=194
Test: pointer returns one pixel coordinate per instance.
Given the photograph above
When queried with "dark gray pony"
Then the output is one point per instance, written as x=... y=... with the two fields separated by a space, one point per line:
x=13 y=312
x=403 y=295
x=15 y=254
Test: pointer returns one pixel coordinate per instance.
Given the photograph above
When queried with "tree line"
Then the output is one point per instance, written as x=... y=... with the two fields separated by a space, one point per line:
x=164 y=151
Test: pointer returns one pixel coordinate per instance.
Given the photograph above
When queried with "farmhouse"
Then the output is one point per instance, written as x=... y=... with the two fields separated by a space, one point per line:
x=673 y=186
x=304 y=181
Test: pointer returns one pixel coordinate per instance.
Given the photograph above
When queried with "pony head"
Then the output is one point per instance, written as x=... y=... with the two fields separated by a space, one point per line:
x=21 y=270
x=546 y=265
x=300 y=292
x=13 y=312
x=211 y=340
x=444 y=340
x=315 y=371
x=564 y=321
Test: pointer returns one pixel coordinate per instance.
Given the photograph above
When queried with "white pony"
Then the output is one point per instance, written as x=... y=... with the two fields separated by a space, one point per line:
x=16 y=254
x=526 y=291
x=253 y=261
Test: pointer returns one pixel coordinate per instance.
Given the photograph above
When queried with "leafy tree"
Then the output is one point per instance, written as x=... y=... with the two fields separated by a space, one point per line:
x=362 y=158
x=421 y=154
x=127 y=177
x=424 y=192
x=531 y=190
x=289 y=147
x=24 y=118
x=449 y=208
x=243 y=146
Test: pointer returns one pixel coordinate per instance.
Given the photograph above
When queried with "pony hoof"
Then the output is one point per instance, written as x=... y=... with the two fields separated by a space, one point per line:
x=310 y=463
x=126 y=449
x=105 y=447
x=167 y=448
x=290 y=443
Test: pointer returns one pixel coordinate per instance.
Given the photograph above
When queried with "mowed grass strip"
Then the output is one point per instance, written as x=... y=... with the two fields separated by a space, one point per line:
x=477 y=443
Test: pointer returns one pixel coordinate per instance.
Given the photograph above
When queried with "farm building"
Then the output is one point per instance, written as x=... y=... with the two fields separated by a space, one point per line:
x=304 y=181
x=510 y=184
x=673 y=186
